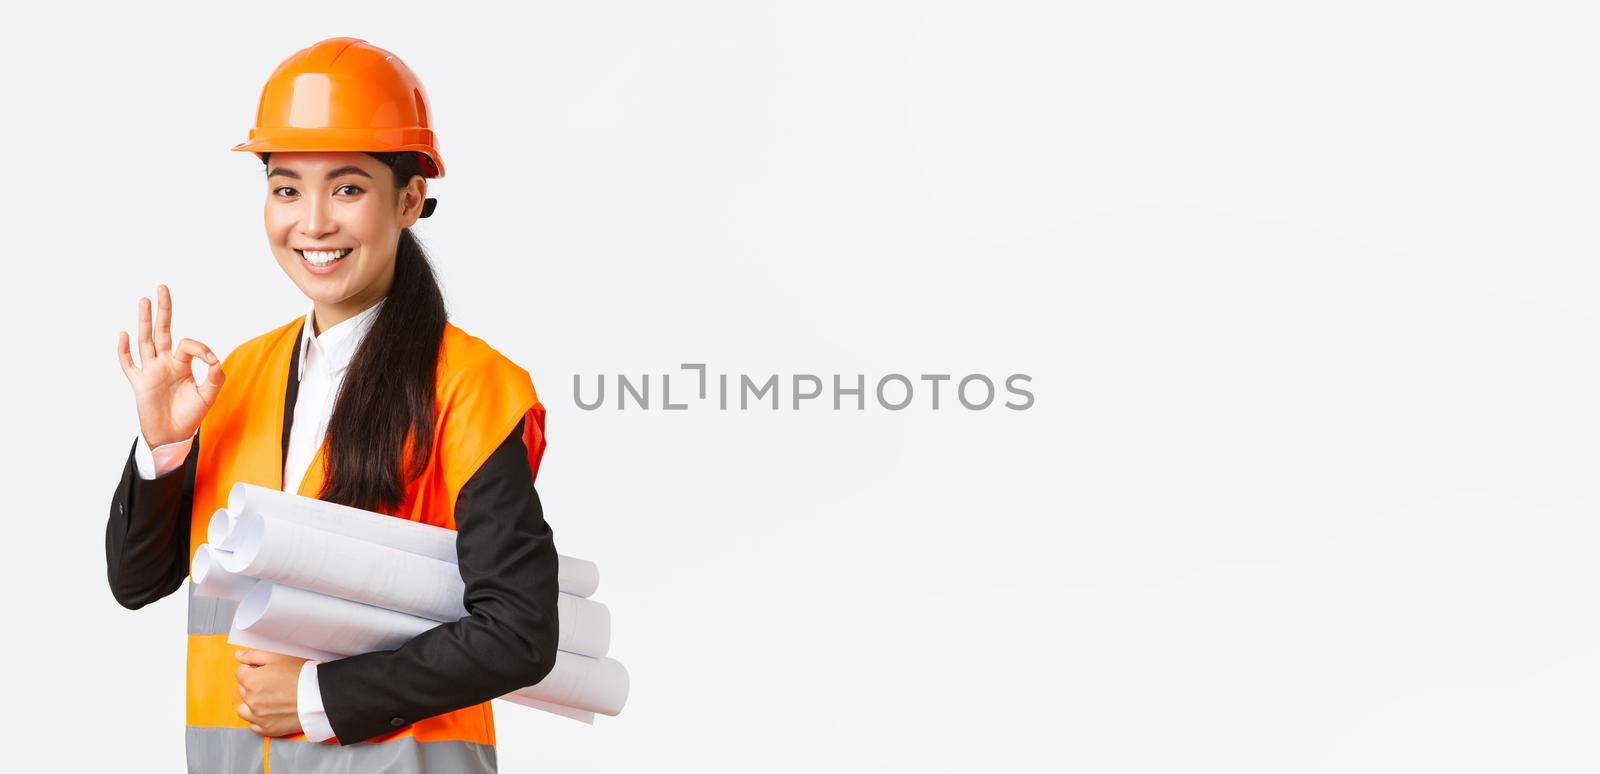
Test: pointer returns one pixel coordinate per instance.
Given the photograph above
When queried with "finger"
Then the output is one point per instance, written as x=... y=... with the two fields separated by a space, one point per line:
x=189 y=349
x=163 y=332
x=147 y=348
x=244 y=712
x=252 y=656
x=259 y=730
x=213 y=383
x=125 y=357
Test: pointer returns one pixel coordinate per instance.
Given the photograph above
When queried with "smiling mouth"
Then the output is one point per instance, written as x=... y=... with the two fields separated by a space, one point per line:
x=320 y=258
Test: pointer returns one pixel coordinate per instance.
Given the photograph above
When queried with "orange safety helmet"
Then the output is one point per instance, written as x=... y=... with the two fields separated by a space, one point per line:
x=345 y=94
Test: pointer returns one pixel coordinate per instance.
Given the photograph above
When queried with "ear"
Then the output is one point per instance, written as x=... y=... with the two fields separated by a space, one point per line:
x=411 y=200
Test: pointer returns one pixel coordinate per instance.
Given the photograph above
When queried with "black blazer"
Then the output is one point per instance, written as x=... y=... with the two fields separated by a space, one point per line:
x=507 y=558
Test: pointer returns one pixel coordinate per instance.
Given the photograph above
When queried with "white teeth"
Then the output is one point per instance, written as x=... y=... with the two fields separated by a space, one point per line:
x=323 y=257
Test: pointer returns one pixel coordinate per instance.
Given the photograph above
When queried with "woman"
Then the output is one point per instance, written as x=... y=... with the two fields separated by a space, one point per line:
x=372 y=399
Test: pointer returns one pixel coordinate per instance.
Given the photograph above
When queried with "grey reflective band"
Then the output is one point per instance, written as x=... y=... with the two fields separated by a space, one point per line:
x=209 y=615
x=238 y=751
x=215 y=750
x=403 y=756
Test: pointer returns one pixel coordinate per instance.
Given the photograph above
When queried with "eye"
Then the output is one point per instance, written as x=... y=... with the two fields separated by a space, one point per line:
x=283 y=191
x=354 y=189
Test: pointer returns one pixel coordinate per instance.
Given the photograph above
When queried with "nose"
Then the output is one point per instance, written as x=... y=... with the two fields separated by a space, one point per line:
x=316 y=220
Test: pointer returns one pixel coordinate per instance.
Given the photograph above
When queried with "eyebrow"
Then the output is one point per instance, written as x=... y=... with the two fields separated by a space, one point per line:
x=348 y=170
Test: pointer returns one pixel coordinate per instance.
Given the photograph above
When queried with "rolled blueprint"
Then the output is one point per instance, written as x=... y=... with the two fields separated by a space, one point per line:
x=299 y=623
x=244 y=639
x=578 y=577
x=575 y=576
x=217 y=529
x=334 y=625
x=410 y=536
x=579 y=715
x=585 y=626
x=327 y=624
x=281 y=551
x=591 y=684
x=211 y=580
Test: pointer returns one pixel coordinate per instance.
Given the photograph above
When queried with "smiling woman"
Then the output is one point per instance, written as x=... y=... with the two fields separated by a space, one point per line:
x=372 y=399
x=332 y=217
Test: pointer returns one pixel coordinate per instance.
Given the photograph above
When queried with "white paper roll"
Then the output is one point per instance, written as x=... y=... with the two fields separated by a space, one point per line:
x=329 y=624
x=218 y=528
x=211 y=580
x=582 y=716
x=578 y=577
x=585 y=625
x=336 y=625
x=592 y=684
x=281 y=551
x=406 y=535
x=245 y=639
x=284 y=619
x=575 y=576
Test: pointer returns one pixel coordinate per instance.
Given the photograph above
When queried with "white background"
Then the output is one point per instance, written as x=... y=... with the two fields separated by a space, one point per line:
x=1306 y=291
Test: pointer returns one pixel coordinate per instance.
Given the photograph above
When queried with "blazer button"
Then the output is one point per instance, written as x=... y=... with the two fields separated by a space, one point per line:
x=397 y=722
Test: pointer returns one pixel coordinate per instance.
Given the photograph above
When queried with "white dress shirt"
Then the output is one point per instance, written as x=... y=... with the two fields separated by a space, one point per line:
x=323 y=360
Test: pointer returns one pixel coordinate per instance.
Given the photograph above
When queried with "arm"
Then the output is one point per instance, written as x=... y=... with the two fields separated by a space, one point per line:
x=508 y=561
x=147 y=534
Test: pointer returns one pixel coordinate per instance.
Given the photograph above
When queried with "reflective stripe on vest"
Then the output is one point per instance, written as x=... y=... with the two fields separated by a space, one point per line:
x=484 y=396
x=209 y=615
x=227 y=750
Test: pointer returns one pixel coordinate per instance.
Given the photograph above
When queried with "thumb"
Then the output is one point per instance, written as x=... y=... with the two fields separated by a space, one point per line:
x=252 y=657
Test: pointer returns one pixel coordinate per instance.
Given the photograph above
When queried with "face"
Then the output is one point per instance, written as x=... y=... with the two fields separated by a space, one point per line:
x=334 y=219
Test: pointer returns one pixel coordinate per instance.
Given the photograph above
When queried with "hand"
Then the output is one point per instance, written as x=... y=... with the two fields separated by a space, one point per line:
x=170 y=403
x=269 y=684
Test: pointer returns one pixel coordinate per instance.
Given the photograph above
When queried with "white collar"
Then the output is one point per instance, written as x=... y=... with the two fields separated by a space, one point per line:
x=336 y=345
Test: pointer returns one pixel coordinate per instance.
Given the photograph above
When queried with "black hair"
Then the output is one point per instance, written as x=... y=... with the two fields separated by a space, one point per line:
x=380 y=435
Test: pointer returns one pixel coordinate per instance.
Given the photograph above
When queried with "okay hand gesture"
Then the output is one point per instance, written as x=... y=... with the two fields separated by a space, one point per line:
x=169 y=400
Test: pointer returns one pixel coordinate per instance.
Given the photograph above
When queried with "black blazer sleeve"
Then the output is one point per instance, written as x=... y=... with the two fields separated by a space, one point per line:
x=147 y=535
x=507 y=557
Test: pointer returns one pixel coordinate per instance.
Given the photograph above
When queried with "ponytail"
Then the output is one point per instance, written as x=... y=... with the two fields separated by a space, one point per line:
x=380 y=435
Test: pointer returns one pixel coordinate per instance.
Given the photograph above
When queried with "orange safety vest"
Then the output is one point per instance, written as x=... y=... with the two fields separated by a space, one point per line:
x=481 y=395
